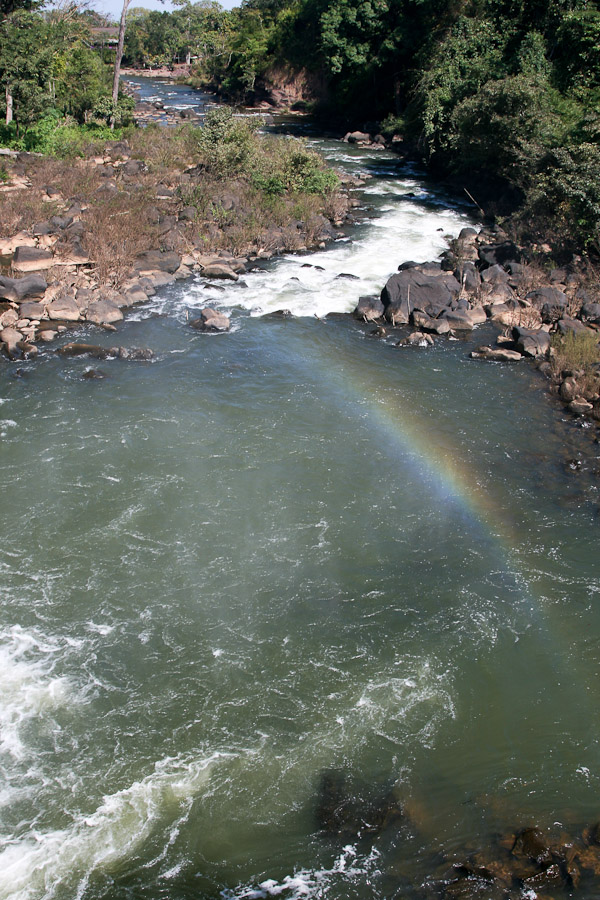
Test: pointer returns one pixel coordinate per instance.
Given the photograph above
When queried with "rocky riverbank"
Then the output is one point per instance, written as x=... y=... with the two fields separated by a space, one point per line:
x=84 y=240
x=550 y=316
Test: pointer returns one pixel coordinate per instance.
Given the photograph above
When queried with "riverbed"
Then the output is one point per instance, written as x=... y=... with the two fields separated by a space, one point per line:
x=282 y=554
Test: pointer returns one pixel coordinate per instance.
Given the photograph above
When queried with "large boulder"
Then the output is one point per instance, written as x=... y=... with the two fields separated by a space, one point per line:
x=498 y=254
x=219 y=270
x=31 y=309
x=32 y=259
x=551 y=301
x=495 y=275
x=64 y=308
x=591 y=311
x=211 y=320
x=155 y=260
x=567 y=325
x=31 y=287
x=464 y=319
x=412 y=289
x=104 y=312
x=531 y=342
x=369 y=309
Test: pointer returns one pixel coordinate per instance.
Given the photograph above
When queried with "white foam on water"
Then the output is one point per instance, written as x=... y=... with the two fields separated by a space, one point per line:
x=314 y=883
x=28 y=687
x=409 y=227
x=38 y=865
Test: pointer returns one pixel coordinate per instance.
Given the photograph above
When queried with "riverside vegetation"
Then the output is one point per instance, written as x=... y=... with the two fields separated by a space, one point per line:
x=203 y=199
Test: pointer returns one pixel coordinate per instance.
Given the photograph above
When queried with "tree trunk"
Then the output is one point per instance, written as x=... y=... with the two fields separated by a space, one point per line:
x=9 y=105
x=119 y=57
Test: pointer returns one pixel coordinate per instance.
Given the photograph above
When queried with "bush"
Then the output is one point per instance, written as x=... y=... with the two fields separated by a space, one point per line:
x=576 y=352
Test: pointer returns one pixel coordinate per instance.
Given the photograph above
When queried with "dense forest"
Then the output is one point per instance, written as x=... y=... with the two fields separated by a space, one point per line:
x=502 y=95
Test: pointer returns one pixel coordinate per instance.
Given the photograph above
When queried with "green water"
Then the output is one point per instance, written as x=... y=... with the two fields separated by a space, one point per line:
x=271 y=554
x=278 y=553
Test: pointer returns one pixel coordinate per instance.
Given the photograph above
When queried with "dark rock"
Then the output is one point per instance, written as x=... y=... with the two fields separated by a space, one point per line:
x=357 y=137
x=32 y=310
x=103 y=312
x=568 y=389
x=133 y=167
x=591 y=311
x=550 y=301
x=369 y=309
x=348 y=276
x=532 y=844
x=93 y=374
x=154 y=260
x=61 y=222
x=468 y=275
x=188 y=214
x=464 y=319
x=495 y=275
x=78 y=349
x=43 y=228
x=411 y=289
x=530 y=342
x=31 y=287
x=28 y=259
x=566 y=325
x=211 y=320
x=498 y=254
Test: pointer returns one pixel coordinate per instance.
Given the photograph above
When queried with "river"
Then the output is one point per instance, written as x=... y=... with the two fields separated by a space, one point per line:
x=285 y=557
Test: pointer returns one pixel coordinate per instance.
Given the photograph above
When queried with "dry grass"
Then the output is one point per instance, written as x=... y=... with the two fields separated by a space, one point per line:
x=112 y=240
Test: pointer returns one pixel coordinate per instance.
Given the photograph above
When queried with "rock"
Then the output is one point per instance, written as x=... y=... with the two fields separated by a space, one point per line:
x=154 y=260
x=464 y=319
x=134 y=294
x=495 y=275
x=211 y=320
x=79 y=349
x=531 y=342
x=28 y=351
x=369 y=309
x=469 y=277
x=32 y=259
x=10 y=337
x=219 y=270
x=551 y=878
x=439 y=326
x=357 y=137
x=32 y=310
x=497 y=354
x=498 y=254
x=566 y=325
x=532 y=844
x=133 y=167
x=568 y=389
x=551 y=301
x=188 y=214
x=412 y=289
x=579 y=406
x=156 y=279
x=499 y=293
x=591 y=311
x=30 y=287
x=9 y=318
x=421 y=320
x=64 y=308
x=103 y=312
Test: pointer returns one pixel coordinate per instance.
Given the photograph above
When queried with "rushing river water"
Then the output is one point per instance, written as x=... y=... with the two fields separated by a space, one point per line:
x=279 y=553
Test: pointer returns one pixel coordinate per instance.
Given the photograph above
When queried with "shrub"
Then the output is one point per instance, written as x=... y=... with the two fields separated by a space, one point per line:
x=576 y=351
